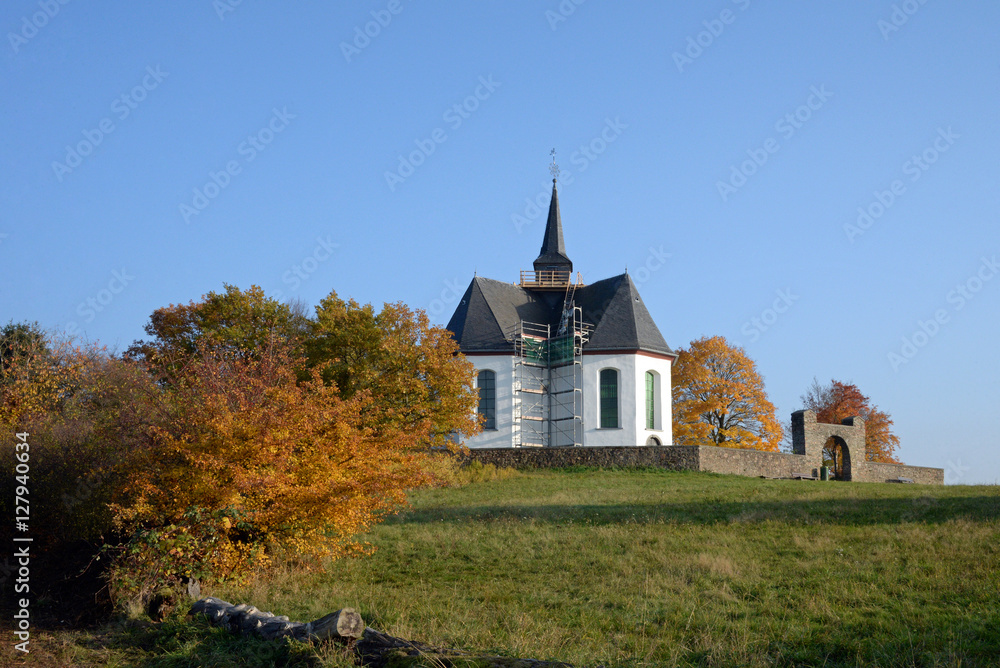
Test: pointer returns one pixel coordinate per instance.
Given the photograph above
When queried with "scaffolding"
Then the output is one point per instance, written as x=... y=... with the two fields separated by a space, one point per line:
x=548 y=387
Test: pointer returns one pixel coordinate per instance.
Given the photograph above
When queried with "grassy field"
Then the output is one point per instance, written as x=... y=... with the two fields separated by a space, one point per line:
x=643 y=568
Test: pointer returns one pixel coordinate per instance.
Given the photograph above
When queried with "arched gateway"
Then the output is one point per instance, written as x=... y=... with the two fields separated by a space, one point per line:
x=809 y=437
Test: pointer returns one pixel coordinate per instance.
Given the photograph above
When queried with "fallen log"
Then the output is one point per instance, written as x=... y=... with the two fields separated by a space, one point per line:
x=344 y=625
x=372 y=648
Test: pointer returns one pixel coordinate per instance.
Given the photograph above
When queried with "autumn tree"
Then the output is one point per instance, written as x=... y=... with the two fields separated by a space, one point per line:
x=83 y=410
x=719 y=398
x=250 y=460
x=36 y=372
x=836 y=401
x=258 y=448
x=235 y=323
x=217 y=443
x=416 y=379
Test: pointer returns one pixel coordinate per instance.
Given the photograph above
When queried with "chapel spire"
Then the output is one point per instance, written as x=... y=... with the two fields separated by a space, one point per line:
x=552 y=256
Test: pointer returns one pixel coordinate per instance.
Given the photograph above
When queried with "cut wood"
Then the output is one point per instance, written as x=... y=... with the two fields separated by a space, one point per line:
x=346 y=623
x=372 y=648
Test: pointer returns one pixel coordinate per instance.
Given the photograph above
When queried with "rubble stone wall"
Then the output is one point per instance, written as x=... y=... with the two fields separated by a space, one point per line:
x=751 y=463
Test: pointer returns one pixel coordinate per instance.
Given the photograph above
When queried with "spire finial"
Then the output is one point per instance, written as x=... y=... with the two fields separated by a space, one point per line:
x=553 y=168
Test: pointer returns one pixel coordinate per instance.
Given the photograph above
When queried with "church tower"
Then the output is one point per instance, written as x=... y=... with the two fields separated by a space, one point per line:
x=562 y=364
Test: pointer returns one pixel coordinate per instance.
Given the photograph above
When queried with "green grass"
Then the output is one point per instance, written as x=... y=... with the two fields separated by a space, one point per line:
x=636 y=568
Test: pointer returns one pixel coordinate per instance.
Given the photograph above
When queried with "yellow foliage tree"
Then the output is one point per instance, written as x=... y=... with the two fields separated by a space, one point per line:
x=36 y=373
x=258 y=448
x=83 y=411
x=719 y=398
x=248 y=460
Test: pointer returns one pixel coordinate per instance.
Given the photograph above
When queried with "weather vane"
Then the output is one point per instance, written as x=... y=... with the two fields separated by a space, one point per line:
x=553 y=168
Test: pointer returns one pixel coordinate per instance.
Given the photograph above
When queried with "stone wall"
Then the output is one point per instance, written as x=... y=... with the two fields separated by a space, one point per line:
x=879 y=472
x=754 y=462
x=751 y=463
x=675 y=458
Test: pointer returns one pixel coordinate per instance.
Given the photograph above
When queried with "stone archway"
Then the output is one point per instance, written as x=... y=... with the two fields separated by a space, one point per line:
x=841 y=457
x=653 y=440
x=809 y=437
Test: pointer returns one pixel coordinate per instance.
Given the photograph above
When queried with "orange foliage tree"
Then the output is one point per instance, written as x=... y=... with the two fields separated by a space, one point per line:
x=836 y=401
x=236 y=323
x=84 y=411
x=417 y=381
x=36 y=373
x=259 y=449
x=719 y=398
x=248 y=461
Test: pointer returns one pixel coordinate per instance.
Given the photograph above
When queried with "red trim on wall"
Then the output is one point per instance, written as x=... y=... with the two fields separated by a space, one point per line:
x=659 y=356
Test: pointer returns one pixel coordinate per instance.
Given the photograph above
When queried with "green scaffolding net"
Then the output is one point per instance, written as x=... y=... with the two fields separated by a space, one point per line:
x=548 y=352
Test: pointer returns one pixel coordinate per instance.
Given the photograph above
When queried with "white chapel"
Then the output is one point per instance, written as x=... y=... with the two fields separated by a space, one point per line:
x=559 y=363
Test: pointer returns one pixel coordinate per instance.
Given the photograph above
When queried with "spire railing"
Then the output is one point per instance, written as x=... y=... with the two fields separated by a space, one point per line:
x=551 y=279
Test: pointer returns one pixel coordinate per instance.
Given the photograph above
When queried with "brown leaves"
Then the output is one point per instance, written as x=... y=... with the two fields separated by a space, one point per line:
x=417 y=381
x=719 y=398
x=220 y=415
x=309 y=451
x=835 y=402
x=294 y=460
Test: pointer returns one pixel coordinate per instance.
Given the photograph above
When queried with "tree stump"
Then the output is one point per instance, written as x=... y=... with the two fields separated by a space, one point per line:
x=345 y=624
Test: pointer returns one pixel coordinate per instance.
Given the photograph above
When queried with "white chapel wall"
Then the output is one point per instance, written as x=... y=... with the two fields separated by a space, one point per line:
x=632 y=370
x=502 y=436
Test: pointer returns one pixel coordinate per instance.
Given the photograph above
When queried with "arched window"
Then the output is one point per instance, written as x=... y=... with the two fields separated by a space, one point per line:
x=650 y=400
x=609 y=399
x=487 y=384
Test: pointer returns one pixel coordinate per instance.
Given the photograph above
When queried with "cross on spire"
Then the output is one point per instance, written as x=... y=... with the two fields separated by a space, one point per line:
x=553 y=168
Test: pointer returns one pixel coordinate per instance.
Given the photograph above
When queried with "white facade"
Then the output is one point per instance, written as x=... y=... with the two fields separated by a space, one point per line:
x=632 y=370
x=503 y=435
x=631 y=429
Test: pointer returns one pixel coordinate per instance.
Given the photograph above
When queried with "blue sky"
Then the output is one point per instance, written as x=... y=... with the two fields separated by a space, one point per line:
x=814 y=181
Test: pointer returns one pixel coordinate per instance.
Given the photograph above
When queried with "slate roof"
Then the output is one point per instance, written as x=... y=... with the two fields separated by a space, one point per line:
x=553 y=255
x=490 y=310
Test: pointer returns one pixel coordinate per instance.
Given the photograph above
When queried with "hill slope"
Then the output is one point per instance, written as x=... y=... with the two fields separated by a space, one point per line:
x=656 y=568
x=637 y=568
